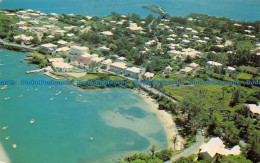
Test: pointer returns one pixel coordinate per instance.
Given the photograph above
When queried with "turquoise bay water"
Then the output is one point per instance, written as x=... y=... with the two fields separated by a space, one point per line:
x=120 y=122
x=248 y=10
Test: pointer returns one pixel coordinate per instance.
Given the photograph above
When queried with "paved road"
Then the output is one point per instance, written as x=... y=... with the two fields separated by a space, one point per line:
x=194 y=149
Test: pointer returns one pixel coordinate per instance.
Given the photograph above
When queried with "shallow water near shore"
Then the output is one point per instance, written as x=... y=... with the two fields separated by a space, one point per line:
x=119 y=120
x=248 y=10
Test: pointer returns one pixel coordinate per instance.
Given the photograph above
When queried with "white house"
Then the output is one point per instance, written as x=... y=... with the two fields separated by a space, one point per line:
x=214 y=146
x=148 y=76
x=186 y=70
x=60 y=32
x=255 y=110
x=106 y=64
x=168 y=70
x=80 y=61
x=78 y=50
x=53 y=20
x=212 y=63
x=133 y=72
x=62 y=51
x=48 y=47
x=193 y=65
x=103 y=48
x=61 y=67
x=21 y=24
x=106 y=33
x=118 y=67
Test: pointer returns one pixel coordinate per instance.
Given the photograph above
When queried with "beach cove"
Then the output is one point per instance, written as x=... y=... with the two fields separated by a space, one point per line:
x=63 y=125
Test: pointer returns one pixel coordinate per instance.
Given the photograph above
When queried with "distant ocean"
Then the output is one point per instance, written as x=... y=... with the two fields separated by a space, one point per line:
x=119 y=120
x=247 y=10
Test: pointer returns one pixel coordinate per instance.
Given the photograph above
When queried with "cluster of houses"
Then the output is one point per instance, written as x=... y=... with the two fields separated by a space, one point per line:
x=81 y=58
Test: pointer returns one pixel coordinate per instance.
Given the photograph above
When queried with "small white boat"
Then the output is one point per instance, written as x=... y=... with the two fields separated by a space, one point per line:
x=4 y=128
x=59 y=91
x=7 y=138
x=57 y=94
x=32 y=121
x=84 y=101
x=20 y=96
x=14 y=146
x=4 y=87
x=91 y=138
x=66 y=98
x=36 y=89
x=80 y=95
x=51 y=99
x=7 y=98
x=71 y=92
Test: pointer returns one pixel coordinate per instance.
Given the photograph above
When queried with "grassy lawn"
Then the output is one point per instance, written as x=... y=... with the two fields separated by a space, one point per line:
x=244 y=76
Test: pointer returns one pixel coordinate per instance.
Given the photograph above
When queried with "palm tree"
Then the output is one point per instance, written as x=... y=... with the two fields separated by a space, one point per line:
x=153 y=149
x=174 y=140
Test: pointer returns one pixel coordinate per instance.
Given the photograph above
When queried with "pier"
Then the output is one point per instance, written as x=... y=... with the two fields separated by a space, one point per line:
x=34 y=71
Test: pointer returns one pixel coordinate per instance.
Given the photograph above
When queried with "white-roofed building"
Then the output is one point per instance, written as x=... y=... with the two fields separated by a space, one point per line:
x=212 y=63
x=62 y=51
x=24 y=38
x=53 y=20
x=216 y=146
x=193 y=65
x=103 y=48
x=168 y=70
x=133 y=72
x=78 y=50
x=106 y=64
x=122 y=59
x=106 y=33
x=185 y=41
x=60 y=32
x=22 y=29
x=118 y=67
x=62 y=42
x=230 y=69
x=49 y=48
x=67 y=28
x=21 y=24
x=255 y=110
x=150 y=43
x=61 y=67
x=148 y=76
x=186 y=70
x=209 y=150
x=70 y=35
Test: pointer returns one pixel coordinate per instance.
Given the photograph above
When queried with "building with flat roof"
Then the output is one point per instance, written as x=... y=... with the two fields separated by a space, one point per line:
x=133 y=72
x=78 y=50
x=118 y=67
x=49 y=48
x=212 y=63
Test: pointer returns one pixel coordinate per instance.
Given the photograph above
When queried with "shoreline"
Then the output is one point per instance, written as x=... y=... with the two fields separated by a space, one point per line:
x=166 y=121
x=3 y=155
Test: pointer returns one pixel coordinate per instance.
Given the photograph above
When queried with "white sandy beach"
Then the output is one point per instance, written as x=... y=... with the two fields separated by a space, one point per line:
x=167 y=122
x=3 y=156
